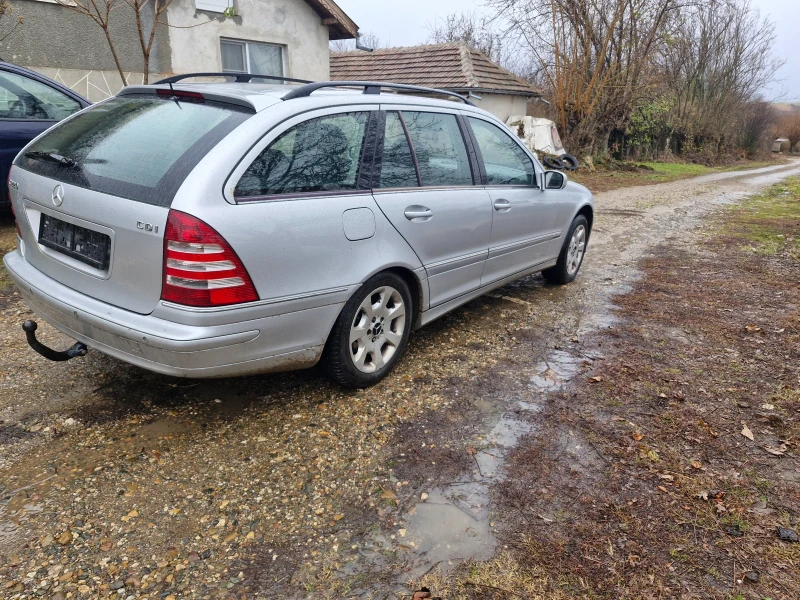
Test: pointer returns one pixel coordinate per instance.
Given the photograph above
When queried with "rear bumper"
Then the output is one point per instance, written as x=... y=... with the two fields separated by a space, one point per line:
x=280 y=342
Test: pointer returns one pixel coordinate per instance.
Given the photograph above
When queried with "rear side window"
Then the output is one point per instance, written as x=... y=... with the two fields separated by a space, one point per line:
x=318 y=155
x=505 y=162
x=397 y=163
x=440 y=149
x=137 y=147
x=26 y=99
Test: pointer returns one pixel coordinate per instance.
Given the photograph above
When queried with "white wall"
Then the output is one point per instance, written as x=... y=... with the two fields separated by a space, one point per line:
x=290 y=23
x=502 y=106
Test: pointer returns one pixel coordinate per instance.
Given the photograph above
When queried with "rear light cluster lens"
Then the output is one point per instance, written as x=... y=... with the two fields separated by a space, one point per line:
x=200 y=267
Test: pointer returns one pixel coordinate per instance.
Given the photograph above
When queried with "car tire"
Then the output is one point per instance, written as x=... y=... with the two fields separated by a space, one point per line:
x=572 y=253
x=371 y=333
x=569 y=161
x=552 y=162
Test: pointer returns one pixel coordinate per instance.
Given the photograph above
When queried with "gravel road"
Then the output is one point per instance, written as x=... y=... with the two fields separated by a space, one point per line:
x=114 y=480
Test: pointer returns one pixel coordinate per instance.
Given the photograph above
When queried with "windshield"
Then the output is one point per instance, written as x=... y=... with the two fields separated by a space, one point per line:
x=139 y=147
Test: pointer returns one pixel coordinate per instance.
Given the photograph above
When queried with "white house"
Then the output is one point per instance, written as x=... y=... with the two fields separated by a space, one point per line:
x=268 y=37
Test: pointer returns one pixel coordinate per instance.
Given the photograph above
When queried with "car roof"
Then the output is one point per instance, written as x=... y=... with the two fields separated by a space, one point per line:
x=12 y=68
x=259 y=96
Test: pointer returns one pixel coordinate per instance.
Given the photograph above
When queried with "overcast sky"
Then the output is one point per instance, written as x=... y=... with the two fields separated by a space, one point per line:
x=408 y=22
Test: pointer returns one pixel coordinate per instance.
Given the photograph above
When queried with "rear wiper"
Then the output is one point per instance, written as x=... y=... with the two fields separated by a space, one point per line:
x=52 y=157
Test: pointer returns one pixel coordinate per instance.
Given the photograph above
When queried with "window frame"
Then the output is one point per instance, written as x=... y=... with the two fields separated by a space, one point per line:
x=465 y=137
x=246 y=45
x=363 y=177
x=537 y=168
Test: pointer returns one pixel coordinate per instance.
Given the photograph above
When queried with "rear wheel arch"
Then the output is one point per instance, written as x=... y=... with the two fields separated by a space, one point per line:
x=412 y=281
x=414 y=285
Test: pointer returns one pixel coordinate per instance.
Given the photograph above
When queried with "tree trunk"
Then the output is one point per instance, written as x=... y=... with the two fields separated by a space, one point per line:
x=114 y=54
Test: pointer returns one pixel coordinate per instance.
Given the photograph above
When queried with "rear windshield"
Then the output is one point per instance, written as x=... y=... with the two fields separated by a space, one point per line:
x=138 y=147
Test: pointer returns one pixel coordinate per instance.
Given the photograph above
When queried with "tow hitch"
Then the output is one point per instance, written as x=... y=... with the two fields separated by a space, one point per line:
x=78 y=349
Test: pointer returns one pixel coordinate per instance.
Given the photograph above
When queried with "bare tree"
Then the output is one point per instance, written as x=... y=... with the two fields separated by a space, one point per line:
x=474 y=30
x=789 y=127
x=756 y=121
x=6 y=17
x=595 y=57
x=147 y=28
x=717 y=60
x=367 y=40
x=100 y=12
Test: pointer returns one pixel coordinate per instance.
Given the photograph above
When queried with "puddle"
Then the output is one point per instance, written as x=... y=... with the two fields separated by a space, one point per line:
x=451 y=525
x=555 y=372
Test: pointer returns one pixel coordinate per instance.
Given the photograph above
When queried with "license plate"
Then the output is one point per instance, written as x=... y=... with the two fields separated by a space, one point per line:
x=85 y=245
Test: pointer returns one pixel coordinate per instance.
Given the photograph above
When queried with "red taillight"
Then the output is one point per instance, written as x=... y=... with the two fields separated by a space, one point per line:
x=200 y=267
x=16 y=222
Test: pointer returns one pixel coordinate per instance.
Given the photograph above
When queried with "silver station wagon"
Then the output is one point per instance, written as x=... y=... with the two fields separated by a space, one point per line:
x=228 y=228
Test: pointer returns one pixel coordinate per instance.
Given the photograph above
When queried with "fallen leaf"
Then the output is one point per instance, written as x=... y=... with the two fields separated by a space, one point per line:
x=471 y=451
x=696 y=464
x=637 y=436
x=662 y=395
x=777 y=451
x=746 y=432
x=596 y=379
x=768 y=406
x=666 y=476
x=702 y=495
x=752 y=328
x=662 y=488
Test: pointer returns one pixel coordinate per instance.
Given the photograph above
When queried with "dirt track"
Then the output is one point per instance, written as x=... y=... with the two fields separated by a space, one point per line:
x=112 y=478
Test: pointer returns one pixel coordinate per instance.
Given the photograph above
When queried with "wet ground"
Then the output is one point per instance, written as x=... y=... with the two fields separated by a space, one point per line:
x=115 y=480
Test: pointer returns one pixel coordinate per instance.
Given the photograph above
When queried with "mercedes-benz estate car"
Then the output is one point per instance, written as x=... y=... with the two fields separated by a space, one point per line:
x=219 y=229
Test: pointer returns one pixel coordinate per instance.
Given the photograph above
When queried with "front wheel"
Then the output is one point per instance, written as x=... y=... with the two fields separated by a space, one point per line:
x=371 y=333
x=572 y=253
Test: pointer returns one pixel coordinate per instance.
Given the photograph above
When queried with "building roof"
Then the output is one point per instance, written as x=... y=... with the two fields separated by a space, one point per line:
x=452 y=66
x=340 y=26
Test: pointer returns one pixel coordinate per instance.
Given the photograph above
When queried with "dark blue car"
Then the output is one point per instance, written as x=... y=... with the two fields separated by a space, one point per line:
x=29 y=104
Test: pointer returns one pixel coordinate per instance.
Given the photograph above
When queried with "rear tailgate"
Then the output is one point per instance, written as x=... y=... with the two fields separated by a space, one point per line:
x=131 y=275
x=95 y=192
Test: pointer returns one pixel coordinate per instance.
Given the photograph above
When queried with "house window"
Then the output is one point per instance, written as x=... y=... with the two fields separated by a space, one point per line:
x=250 y=57
x=213 y=5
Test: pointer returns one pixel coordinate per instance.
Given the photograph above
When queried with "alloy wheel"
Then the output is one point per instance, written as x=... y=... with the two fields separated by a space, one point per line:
x=377 y=329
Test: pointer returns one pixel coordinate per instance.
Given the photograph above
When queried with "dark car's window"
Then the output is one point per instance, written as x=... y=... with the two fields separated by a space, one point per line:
x=139 y=147
x=439 y=147
x=397 y=163
x=505 y=162
x=30 y=100
x=318 y=155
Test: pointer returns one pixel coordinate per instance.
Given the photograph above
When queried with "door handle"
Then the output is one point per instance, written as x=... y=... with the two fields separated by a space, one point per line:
x=502 y=205
x=418 y=213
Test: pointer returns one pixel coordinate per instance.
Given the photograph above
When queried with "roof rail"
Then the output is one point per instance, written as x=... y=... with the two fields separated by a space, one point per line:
x=370 y=87
x=240 y=77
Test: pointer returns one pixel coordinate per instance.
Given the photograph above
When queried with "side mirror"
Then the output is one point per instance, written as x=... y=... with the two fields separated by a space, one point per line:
x=554 y=180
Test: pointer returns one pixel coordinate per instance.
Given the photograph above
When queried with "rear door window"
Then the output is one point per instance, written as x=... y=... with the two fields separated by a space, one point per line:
x=318 y=155
x=505 y=162
x=26 y=99
x=439 y=147
x=397 y=163
x=139 y=147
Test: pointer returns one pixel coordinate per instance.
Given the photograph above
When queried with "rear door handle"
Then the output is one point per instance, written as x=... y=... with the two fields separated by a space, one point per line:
x=502 y=205
x=418 y=213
